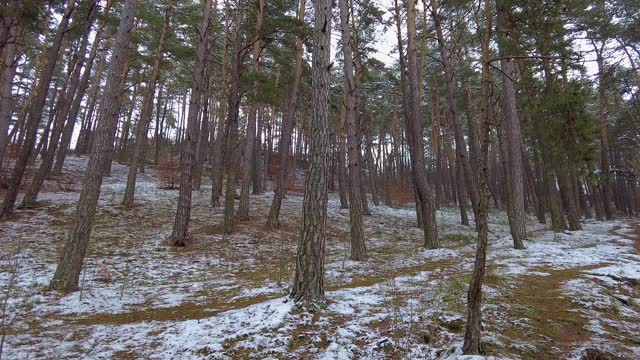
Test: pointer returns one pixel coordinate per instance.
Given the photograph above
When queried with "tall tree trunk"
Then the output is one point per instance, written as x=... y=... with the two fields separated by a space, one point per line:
x=68 y=270
x=250 y=139
x=203 y=138
x=371 y=165
x=67 y=134
x=146 y=112
x=84 y=139
x=473 y=328
x=233 y=108
x=554 y=202
x=566 y=191
x=126 y=126
x=308 y=284
x=605 y=182
x=287 y=128
x=258 y=170
x=8 y=66
x=55 y=103
x=106 y=170
x=341 y=153
x=454 y=113
x=180 y=231
x=35 y=112
x=513 y=154
x=160 y=111
x=358 y=247
x=415 y=133
x=44 y=169
x=219 y=147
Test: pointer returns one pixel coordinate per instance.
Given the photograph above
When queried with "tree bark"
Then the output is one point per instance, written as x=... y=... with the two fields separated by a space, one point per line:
x=233 y=108
x=84 y=138
x=35 y=112
x=83 y=147
x=44 y=169
x=340 y=154
x=473 y=328
x=146 y=112
x=219 y=147
x=8 y=66
x=308 y=284
x=515 y=186
x=250 y=139
x=273 y=219
x=258 y=170
x=358 y=246
x=462 y=156
x=605 y=182
x=68 y=271
x=416 y=140
x=180 y=231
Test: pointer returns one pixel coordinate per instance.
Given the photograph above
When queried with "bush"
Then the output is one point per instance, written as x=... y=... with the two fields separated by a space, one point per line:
x=169 y=172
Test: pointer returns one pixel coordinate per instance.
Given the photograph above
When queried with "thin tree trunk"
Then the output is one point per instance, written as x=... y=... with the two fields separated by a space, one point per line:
x=250 y=139
x=124 y=137
x=273 y=219
x=77 y=101
x=219 y=147
x=473 y=328
x=513 y=144
x=146 y=112
x=233 y=108
x=258 y=170
x=358 y=246
x=461 y=146
x=415 y=132
x=180 y=231
x=341 y=153
x=44 y=169
x=84 y=139
x=35 y=112
x=158 y=126
x=9 y=58
x=605 y=183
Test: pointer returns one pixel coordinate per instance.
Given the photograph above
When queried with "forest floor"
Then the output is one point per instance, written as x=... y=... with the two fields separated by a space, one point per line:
x=567 y=295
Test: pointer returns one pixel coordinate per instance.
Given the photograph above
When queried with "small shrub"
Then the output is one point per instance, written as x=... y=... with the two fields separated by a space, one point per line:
x=169 y=172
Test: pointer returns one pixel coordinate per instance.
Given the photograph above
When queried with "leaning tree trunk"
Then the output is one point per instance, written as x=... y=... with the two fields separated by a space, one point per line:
x=358 y=247
x=179 y=234
x=29 y=199
x=8 y=69
x=273 y=219
x=77 y=101
x=82 y=146
x=308 y=284
x=146 y=112
x=68 y=270
x=462 y=156
x=35 y=112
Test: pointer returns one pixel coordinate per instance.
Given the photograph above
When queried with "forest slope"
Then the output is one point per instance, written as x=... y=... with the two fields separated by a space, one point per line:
x=224 y=296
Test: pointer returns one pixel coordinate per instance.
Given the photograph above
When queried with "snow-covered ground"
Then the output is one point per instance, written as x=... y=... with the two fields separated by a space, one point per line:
x=224 y=296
